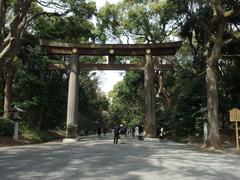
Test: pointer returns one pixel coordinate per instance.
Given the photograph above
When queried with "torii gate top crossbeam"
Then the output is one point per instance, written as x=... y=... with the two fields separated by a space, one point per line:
x=111 y=49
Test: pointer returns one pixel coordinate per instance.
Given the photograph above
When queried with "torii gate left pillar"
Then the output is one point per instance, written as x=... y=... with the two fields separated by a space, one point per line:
x=72 y=105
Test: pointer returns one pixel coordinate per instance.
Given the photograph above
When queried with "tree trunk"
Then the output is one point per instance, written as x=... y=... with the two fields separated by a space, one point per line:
x=2 y=84
x=162 y=91
x=1 y=67
x=8 y=90
x=213 y=139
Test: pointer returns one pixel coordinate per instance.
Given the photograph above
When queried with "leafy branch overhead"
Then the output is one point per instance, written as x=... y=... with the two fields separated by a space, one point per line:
x=143 y=21
x=17 y=16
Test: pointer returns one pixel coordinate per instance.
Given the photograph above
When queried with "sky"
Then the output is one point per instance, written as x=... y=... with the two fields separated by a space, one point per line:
x=107 y=79
x=100 y=3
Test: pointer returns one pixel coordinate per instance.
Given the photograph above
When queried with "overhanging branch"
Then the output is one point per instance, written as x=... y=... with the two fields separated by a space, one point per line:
x=235 y=9
x=49 y=14
x=59 y=5
x=235 y=37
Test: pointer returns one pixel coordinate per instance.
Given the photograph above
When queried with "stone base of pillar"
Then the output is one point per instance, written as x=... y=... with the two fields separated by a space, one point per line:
x=70 y=140
x=71 y=132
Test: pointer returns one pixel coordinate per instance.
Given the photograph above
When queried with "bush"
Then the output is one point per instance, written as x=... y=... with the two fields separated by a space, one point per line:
x=6 y=126
x=34 y=135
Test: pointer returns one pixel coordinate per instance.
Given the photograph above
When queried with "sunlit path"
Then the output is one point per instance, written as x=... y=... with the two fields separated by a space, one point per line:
x=101 y=159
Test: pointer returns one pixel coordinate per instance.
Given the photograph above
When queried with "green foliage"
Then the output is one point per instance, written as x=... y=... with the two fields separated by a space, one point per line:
x=75 y=27
x=127 y=102
x=72 y=29
x=188 y=98
x=142 y=21
x=108 y=24
x=35 y=135
x=6 y=126
x=92 y=103
x=82 y=8
x=40 y=92
x=229 y=84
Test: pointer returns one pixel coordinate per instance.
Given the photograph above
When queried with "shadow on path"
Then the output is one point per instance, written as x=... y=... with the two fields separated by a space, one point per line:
x=94 y=158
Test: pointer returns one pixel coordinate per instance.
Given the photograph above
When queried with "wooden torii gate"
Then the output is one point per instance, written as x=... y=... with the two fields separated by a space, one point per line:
x=111 y=50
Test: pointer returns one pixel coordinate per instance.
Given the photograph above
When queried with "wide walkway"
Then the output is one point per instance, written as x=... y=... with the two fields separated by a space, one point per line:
x=93 y=159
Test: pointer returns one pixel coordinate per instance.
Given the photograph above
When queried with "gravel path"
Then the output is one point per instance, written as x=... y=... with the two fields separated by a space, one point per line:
x=100 y=159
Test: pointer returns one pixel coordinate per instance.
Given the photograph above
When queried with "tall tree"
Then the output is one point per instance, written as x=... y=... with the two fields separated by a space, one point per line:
x=15 y=16
x=213 y=33
x=11 y=33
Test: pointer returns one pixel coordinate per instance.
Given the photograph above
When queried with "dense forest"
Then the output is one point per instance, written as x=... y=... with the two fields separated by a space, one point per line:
x=203 y=85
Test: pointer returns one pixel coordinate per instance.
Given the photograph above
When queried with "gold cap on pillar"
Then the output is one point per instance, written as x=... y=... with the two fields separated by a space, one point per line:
x=74 y=50
x=111 y=51
x=148 y=51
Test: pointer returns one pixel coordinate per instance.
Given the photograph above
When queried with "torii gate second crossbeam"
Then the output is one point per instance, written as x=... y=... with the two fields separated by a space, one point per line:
x=111 y=50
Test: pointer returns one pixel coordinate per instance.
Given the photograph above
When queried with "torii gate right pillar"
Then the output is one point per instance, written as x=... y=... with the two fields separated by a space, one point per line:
x=150 y=122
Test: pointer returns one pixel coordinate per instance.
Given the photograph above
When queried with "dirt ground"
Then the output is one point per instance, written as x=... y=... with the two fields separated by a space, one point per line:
x=9 y=141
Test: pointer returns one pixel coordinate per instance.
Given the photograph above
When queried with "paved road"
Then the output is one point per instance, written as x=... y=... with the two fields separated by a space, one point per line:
x=93 y=159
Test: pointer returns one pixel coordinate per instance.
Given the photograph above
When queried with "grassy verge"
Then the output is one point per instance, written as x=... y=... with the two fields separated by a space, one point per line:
x=30 y=136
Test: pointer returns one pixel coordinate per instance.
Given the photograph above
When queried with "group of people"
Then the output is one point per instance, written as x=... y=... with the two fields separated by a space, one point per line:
x=119 y=131
x=161 y=133
x=100 y=131
x=137 y=132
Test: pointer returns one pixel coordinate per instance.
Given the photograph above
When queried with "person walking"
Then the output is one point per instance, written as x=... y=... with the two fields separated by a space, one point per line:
x=104 y=131
x=133 y=131
x=99 y=131
x=136 y=134
x=141 y=132
x=161 y=134
x=116 y=134
x=122 y=133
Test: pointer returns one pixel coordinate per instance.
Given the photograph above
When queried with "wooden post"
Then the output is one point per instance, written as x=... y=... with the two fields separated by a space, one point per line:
x=73 y=87
x=237 y=140
x=111 y=59
x=150 y=123
x=234 y=115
